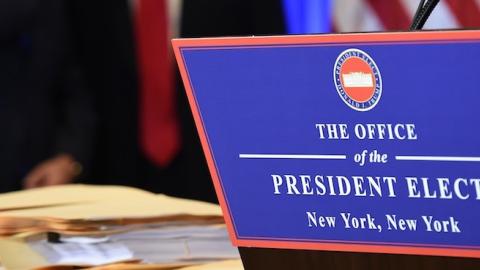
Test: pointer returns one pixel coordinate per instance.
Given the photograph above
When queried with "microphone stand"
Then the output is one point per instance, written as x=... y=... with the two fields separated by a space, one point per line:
x=424 y=11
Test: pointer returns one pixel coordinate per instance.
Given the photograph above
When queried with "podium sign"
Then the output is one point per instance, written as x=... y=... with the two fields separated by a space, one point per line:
x=356 y=142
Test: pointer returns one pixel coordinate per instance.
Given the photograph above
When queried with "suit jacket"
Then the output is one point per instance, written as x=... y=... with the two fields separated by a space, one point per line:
x=104 y=34
x=104 y=38
x=44 y=107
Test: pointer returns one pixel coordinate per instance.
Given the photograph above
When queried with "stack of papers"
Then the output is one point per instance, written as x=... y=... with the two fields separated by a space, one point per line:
x=82 y=254
x=81 y=209
x=166 y=245
x=104 y=225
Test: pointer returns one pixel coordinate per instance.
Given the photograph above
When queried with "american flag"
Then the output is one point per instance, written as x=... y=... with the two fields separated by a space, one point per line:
x=317 y=16
x=383 y=15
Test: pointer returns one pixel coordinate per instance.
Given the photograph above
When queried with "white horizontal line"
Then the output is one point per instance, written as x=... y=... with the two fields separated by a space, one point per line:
x=438 y=158
x=284 y=156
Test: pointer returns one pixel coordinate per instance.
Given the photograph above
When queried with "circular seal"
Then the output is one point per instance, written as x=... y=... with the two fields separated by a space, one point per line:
x=357 y=80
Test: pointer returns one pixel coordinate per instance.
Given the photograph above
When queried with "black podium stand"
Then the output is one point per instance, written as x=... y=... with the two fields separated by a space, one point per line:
x=282 y=259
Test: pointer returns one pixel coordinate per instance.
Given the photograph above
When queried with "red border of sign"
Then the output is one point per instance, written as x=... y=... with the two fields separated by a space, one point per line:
x=306 y=40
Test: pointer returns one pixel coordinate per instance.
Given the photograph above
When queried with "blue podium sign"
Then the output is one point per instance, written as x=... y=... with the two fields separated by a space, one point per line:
x=356 y=142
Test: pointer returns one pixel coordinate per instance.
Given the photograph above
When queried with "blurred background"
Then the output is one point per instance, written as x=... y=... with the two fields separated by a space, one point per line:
x=90 y=93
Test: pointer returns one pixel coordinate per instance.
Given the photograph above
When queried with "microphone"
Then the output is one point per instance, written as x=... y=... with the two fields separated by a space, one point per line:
x=424 y=10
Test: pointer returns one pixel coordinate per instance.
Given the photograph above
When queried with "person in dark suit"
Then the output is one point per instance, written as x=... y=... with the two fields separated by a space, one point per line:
x=112 y=71
x=46 y=112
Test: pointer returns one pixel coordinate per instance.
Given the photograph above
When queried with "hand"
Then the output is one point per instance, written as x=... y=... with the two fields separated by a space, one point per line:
x=59 y=170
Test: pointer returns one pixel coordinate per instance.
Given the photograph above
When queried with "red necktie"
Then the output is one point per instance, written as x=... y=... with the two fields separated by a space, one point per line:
x=159 y=128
